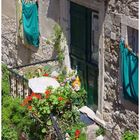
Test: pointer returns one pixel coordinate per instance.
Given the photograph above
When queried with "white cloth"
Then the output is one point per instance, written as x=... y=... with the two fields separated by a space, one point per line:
x=39 y=85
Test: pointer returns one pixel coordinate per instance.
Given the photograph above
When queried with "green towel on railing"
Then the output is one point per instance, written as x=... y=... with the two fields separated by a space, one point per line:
x=129 y=73
x=30 y=23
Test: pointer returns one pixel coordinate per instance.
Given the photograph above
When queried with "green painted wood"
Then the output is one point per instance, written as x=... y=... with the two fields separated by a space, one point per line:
x=78 y=30
x=80 y=51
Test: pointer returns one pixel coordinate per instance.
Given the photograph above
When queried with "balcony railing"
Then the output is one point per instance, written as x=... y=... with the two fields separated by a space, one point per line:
x=19 y=88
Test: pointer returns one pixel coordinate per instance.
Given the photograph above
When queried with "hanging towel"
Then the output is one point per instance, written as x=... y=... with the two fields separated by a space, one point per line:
x=129 y=73
x=30 y=23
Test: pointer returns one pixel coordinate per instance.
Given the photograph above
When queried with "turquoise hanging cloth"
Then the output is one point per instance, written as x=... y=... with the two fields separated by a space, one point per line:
x=129 y=73
x=30 y=23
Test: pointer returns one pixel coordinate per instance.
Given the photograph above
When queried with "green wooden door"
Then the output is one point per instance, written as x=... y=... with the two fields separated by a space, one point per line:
x=78 y=37
x=81 y=22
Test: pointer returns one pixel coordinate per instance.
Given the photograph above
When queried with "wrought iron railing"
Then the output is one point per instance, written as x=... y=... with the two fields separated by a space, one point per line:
x=19 y=85
x=19 y=88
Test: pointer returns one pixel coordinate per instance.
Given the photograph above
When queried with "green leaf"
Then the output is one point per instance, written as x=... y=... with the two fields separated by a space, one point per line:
x=44 y=130
x=48 y=111
x=49 y=122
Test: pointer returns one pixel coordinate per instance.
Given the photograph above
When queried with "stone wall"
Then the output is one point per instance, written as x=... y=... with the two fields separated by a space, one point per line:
x=117 y=112
x=13 y=53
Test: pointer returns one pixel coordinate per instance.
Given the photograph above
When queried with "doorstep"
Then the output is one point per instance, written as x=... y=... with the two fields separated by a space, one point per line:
x=91 y=114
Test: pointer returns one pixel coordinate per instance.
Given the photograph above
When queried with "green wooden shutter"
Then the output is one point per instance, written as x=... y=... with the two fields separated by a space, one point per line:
x=78 y=36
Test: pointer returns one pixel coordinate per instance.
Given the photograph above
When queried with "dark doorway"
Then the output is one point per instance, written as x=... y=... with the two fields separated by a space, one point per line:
x=84 y=49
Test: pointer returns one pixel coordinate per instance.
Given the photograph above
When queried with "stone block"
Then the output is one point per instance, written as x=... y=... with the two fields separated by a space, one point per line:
x=116 y=19
x=113 y=36
x=107 y=32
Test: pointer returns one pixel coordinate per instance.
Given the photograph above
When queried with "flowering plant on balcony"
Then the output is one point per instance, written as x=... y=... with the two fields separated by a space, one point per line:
x=63 y=102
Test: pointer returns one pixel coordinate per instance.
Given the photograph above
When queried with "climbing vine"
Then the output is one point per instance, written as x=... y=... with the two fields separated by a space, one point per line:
x=56 y=40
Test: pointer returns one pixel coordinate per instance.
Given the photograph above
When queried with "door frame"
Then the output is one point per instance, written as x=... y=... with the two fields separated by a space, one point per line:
x=100 y=7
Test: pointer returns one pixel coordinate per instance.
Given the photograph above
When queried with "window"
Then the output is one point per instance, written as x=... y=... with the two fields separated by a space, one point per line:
x=133 y=39
x=129 y=63
x=94 y=38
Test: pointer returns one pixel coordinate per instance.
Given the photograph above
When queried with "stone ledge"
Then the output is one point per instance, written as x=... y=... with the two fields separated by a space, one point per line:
x=128 y=21
x=92 y=115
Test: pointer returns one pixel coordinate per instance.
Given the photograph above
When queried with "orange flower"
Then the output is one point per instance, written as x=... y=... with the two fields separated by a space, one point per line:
x=47 y=96
x=30 y=107
x=25 y=101
x=47 y=92
x=23 y=104
x=29 y=98
x=46 y=74
x=77 y=133
x=33 y=94
x=60 y=98
x=38 y=96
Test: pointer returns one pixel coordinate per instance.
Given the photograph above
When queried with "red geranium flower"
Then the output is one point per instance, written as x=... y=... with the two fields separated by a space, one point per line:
x=77 y=133
x=46 y=74
x=38 y=96
x=33 y=94
x=47 y=92
x=60 y=98
x=47 y=96
x=25 y=101
x=29 y=98
x=30 y=107
x=23 y=104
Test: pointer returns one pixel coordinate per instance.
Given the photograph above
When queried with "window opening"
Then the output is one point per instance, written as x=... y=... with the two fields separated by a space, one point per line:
x=133 y=39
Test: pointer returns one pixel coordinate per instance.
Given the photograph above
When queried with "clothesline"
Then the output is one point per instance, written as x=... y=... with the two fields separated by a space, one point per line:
x=30 y=1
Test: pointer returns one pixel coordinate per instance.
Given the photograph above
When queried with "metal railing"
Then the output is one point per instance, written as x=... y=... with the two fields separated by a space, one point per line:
x=17 y=80
x=19 y=86
x=18 y=83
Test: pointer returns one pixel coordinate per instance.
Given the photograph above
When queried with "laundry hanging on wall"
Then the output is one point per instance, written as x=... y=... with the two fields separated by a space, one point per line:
x=129 y=73
x=30 y=23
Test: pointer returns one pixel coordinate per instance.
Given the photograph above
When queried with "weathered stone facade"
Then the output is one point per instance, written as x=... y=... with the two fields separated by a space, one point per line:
x=13 y=53
x=116 y=111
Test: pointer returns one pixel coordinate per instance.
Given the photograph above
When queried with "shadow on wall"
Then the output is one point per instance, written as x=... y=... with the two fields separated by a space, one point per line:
x=54 y=10
x=24 y=54
x=8 y=8
x=53 y=13
x=48 y=16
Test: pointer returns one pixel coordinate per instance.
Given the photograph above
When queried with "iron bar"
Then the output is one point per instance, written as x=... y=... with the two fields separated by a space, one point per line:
x=10 y=81
x=24 y=81
x=9 y=33
x=55 y=125
x=9 y=40
x=35 y=63
x=22 y=77
x=16 y=86
x=23 y=88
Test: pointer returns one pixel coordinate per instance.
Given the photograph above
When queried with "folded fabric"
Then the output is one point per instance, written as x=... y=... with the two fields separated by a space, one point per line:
x=129 y=73
x=30 y=23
